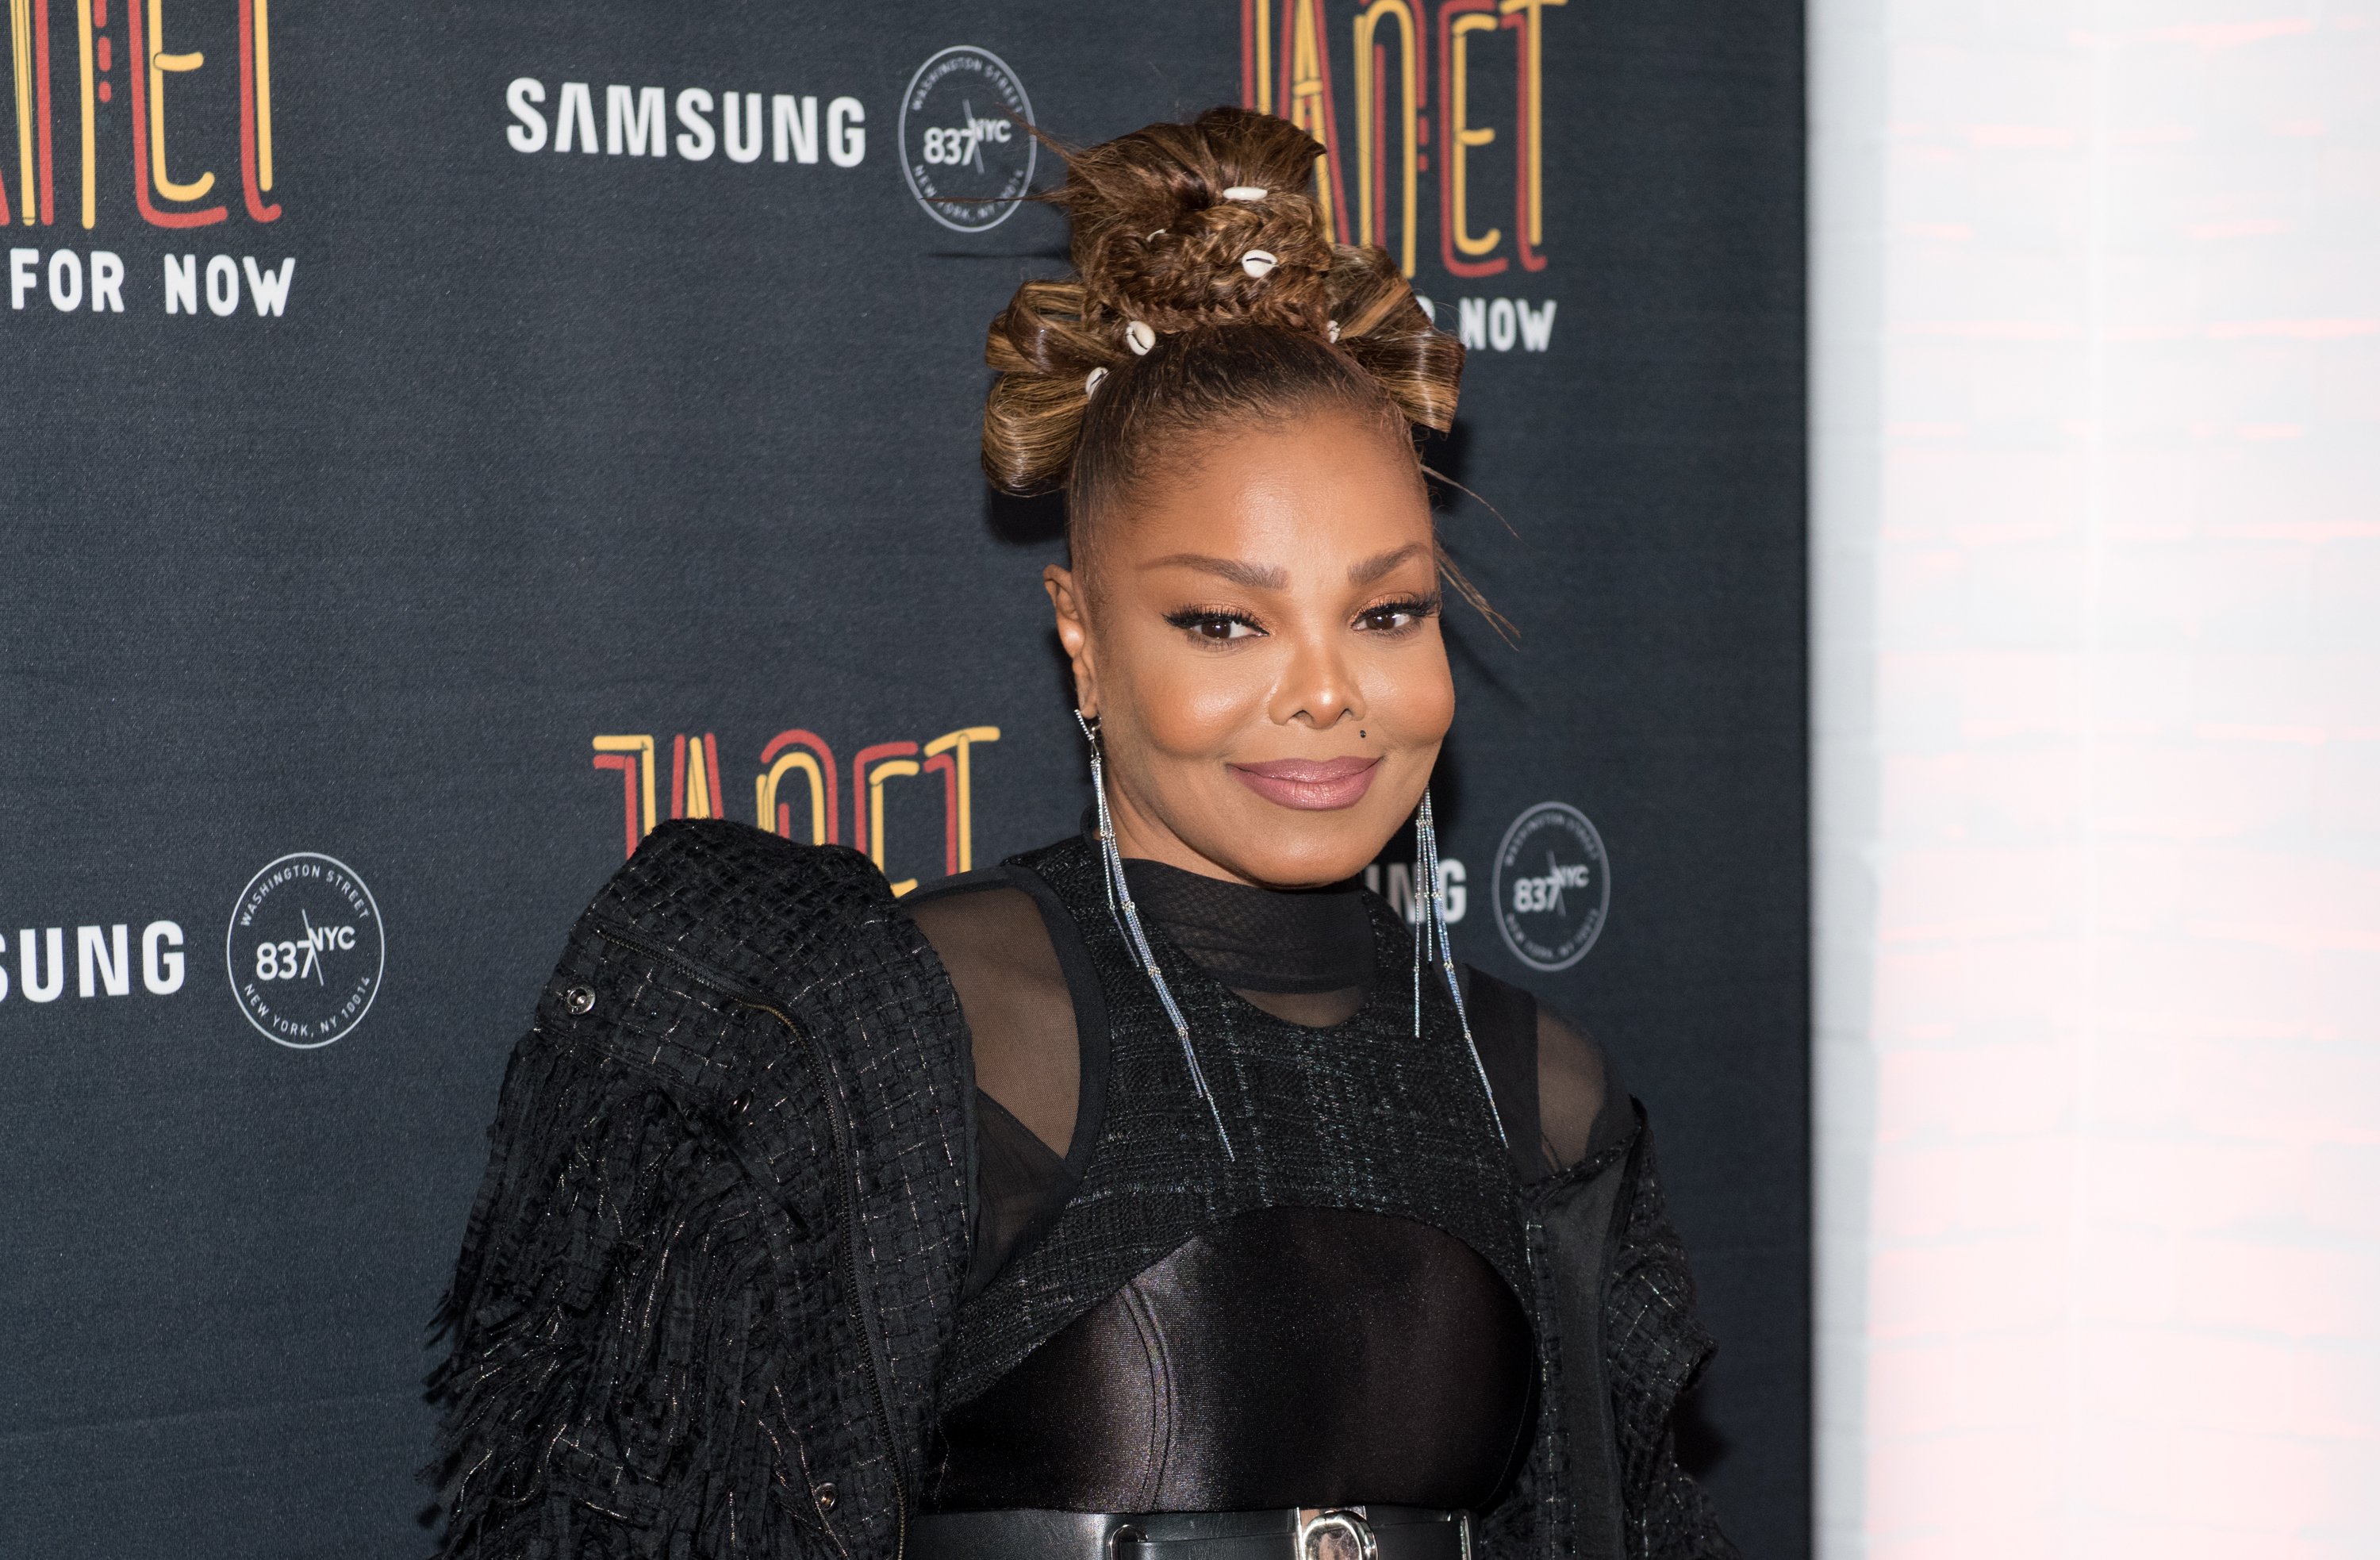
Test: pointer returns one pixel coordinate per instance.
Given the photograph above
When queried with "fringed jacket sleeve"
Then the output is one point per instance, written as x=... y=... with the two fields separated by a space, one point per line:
x=610 y=1387
x=1620 y=1346
x=1656 y=1349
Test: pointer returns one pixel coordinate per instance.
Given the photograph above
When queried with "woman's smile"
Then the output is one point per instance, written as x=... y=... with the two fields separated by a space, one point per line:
x=1310 y=785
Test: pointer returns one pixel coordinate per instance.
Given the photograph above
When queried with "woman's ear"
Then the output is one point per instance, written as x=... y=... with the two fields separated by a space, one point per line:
x=1073 y=634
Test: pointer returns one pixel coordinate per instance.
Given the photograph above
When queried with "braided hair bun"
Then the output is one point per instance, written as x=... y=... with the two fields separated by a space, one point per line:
x=1206 y=291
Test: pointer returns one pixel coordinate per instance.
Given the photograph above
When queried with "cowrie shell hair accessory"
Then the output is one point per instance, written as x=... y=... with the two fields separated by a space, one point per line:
x=1246 y=192
x=1139 y=337
x=1334 y=330
x=1259 y=263
x=1091 y=381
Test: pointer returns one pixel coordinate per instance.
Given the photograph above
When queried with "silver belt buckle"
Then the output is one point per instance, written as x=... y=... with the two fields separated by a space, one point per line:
x=1315 y=1525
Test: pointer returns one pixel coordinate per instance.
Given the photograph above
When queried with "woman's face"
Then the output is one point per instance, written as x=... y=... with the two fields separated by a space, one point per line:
x=1257 y=634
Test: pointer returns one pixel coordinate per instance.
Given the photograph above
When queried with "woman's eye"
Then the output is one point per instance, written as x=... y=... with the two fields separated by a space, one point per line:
x=1214 y=625
x=1391 y=616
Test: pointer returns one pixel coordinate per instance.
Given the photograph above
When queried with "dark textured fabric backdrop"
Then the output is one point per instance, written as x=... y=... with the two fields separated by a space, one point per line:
x=384 y=488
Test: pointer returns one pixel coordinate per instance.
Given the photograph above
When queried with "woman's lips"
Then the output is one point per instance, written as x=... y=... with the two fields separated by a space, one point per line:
x=1312 y=784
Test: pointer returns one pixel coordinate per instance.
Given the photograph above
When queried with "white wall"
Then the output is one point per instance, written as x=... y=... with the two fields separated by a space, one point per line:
x=2096 y=548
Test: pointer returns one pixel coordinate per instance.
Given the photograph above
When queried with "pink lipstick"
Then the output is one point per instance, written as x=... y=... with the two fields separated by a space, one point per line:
x=1310 y=785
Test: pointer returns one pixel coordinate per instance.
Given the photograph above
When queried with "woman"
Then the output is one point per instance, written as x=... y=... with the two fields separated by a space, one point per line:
x=1160 y=1191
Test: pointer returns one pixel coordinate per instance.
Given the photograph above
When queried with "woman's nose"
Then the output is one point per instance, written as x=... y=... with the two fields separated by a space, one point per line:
x=1319 y=687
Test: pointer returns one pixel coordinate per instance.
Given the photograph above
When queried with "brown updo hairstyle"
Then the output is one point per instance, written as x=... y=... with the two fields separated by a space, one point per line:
x=1206 y=293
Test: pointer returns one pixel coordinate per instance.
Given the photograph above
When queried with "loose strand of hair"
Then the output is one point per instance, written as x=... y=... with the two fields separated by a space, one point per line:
x=1474 y=497
x=1506 y=629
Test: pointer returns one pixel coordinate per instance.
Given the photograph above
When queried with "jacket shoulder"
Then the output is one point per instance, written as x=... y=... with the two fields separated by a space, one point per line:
x=718 y=915
x=700 y=887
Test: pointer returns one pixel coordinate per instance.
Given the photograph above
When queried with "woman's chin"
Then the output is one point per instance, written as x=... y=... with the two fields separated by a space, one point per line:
x=1282 y=848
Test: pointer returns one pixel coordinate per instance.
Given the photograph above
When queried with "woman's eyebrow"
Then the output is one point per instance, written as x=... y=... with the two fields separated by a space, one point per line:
x=1255 y=576
x=1372 y=569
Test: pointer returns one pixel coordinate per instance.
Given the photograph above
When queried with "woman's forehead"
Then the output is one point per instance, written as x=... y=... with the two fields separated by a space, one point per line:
x=1320 y=487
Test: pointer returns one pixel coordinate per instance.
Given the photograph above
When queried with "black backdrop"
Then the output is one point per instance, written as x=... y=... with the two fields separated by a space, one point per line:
x=542 y=447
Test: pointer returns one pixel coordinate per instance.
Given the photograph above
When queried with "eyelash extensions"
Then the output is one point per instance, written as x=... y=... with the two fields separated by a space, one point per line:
x=1420 y=608
x=1189 y=617
x=1423 y=607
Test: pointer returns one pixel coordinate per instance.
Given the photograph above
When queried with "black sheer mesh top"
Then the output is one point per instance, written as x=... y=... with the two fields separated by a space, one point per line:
x=1016 y=962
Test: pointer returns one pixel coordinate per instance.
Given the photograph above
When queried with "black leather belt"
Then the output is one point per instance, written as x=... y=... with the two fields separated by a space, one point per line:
x=1355 y=1532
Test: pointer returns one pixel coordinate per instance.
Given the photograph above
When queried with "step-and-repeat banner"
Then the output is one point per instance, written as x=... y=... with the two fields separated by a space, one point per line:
x=438 y=443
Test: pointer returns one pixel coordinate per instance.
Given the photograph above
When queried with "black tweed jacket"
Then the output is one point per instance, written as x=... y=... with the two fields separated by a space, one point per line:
x=708 y=1289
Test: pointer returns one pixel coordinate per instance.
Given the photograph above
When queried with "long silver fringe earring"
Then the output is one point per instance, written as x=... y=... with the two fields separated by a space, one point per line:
x=1128 y=920
x=1431 y=923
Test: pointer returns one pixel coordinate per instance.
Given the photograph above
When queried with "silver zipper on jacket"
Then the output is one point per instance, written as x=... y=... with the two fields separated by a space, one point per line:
x=839 y=1128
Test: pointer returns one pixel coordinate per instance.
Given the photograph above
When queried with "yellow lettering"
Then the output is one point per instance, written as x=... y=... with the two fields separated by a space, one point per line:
x=89 y=125
x=161 y=62
x=1308 y=106
x=1260 y=50
x=1371 y=128
x=958 y=744
x=697 y=784
x=643 y=747
x=1533 y=107
x=264 y=100
x=20 y=51
x=1462 y=135
x=766 y=784
x=889 y=769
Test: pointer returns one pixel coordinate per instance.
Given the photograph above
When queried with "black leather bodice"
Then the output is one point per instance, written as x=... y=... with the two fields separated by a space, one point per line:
x=1303 y=1324
x=1295 y=1357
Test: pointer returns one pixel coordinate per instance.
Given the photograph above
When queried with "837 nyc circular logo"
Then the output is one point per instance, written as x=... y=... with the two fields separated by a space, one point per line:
x=305 y=950
x=1552 y=887
x=965 y=148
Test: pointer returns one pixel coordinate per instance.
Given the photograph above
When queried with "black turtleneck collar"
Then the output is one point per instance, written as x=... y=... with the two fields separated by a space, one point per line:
x=1260 y=939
